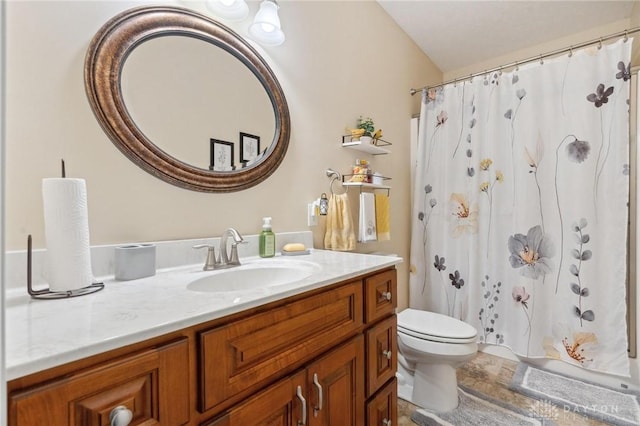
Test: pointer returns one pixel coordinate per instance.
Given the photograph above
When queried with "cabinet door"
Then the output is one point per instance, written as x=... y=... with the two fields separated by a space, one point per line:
x=249 y=353
x=380 y=295
x=382 y=409
x=335 y=386
x=153 y=385
x=279 y=405
x=382 y=349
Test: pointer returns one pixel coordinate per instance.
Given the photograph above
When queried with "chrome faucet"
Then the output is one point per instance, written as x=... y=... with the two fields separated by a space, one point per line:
x=211 y=263
x=225 y=261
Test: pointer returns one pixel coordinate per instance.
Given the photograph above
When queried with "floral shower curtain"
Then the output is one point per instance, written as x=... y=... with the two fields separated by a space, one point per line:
x=519 y=222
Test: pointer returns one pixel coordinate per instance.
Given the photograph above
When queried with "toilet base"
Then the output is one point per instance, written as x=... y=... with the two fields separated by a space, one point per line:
x=435 y=387
x=405 y=382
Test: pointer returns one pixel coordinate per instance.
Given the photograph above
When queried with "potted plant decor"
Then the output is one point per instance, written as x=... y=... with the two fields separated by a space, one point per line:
x=366 y=124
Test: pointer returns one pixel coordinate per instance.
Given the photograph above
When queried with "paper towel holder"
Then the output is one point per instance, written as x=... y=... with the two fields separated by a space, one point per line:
x=48 y=294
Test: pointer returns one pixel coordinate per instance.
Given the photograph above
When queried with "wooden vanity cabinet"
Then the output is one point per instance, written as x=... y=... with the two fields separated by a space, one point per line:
x=278 y=405
x=327 y=392
x=335 y=348
x=152 y=384
x=381 y=348
x=246 y=354
x=382 y=409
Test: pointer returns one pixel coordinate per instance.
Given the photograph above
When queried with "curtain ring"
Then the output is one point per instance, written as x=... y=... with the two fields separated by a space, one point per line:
x=455 y=82
x=470 y=78
x=517 y=66
x=626 y=35
x=600 y=44
x=541 y=60
x=570 y=51
x=500 y=71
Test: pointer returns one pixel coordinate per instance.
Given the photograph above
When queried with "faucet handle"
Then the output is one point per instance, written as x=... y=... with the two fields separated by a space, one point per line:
x=235 y=260
x=211 y=262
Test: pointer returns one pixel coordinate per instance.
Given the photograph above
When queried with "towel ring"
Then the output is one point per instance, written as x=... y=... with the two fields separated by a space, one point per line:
x=336 y=176
x=346 y=188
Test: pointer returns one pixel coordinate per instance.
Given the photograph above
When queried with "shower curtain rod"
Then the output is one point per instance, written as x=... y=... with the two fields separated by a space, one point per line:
x=569 y=49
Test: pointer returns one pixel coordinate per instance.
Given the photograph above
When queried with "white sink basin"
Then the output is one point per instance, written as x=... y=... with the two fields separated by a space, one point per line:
x=256 y=275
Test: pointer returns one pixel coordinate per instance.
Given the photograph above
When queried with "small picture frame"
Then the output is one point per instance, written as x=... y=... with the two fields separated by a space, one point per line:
x=249 y=147
x=221 y=159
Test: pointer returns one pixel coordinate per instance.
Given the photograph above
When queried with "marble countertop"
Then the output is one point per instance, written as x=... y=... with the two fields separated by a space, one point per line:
x=41 y=334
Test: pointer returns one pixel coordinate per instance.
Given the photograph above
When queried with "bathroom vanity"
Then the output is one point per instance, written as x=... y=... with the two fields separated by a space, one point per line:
x=318 y=351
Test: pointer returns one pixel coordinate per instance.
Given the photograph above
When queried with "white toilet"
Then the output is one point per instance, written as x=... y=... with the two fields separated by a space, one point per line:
x=430 y=348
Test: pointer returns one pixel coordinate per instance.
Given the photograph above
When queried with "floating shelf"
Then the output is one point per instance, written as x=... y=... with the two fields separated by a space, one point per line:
x=366 y=185
x=377 y=148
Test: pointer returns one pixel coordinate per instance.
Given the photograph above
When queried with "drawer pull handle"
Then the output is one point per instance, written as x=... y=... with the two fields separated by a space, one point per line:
x=318 y=407
x=303 y=402
x=120 y=416
x=386 y=354
x=386 y=295
x=386 y=422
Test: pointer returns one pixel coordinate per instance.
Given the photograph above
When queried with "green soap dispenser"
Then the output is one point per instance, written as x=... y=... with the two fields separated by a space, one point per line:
x=267 y=239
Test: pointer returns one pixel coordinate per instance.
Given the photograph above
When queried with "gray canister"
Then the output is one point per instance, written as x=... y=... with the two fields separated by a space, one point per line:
x=135 y=261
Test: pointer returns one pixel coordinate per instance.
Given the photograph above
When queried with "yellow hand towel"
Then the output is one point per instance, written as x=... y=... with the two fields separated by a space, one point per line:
x=339 y=234
x=383 y=220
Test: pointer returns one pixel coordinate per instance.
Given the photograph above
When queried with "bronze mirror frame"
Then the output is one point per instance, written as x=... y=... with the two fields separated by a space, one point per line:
x=105 y=59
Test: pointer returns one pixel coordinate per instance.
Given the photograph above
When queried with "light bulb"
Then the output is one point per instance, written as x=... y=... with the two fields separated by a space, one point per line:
x=231 y=10
x=266 y=25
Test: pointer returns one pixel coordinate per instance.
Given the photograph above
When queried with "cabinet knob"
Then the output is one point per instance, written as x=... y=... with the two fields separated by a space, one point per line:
x=386 y=354
x=120 y=416
x=386 y=295
x=386 y=422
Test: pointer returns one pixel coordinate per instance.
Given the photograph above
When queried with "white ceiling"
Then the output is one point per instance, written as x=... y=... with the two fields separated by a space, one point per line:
x=456 y=34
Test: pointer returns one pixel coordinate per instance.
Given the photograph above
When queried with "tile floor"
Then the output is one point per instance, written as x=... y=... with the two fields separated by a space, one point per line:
x=491 y=375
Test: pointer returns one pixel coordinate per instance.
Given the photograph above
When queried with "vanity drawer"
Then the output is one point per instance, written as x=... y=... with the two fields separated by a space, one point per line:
x=380 y=295
x=245 y=355
x=152 y=384
x=382 y=350
x=382 y=409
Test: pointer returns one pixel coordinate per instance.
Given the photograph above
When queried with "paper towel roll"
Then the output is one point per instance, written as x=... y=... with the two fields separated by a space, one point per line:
x=66 y=224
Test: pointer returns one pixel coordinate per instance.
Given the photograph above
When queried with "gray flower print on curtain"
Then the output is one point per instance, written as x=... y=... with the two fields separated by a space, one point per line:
x=581 y=255
x=424 y=219
x=488 y=316
x=441 y=119
x=531 y=253
x=577 y=152
x=599 y=98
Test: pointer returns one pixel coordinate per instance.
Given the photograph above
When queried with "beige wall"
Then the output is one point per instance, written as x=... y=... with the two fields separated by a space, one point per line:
x=340 y=60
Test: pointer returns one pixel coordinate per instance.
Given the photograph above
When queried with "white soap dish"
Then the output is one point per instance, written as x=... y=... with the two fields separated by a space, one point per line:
x=295 y=253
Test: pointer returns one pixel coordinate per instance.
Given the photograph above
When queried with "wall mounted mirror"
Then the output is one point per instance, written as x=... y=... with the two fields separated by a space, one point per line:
x=187 y=99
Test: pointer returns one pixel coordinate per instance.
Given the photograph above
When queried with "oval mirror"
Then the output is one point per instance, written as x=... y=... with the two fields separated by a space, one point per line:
x=211 y=116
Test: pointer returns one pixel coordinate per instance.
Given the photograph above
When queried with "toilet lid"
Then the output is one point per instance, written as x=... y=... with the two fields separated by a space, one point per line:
x=436 y=327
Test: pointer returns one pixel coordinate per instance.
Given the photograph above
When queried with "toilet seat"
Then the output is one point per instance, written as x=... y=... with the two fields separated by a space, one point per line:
x=435 y=327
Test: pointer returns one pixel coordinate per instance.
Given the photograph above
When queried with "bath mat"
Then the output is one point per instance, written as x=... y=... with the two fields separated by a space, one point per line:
x=572 y=396
x=478 y=409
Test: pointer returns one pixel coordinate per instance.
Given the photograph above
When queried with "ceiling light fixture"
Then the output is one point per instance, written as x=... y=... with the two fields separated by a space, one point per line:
x=266 y=25
x=231 y=10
